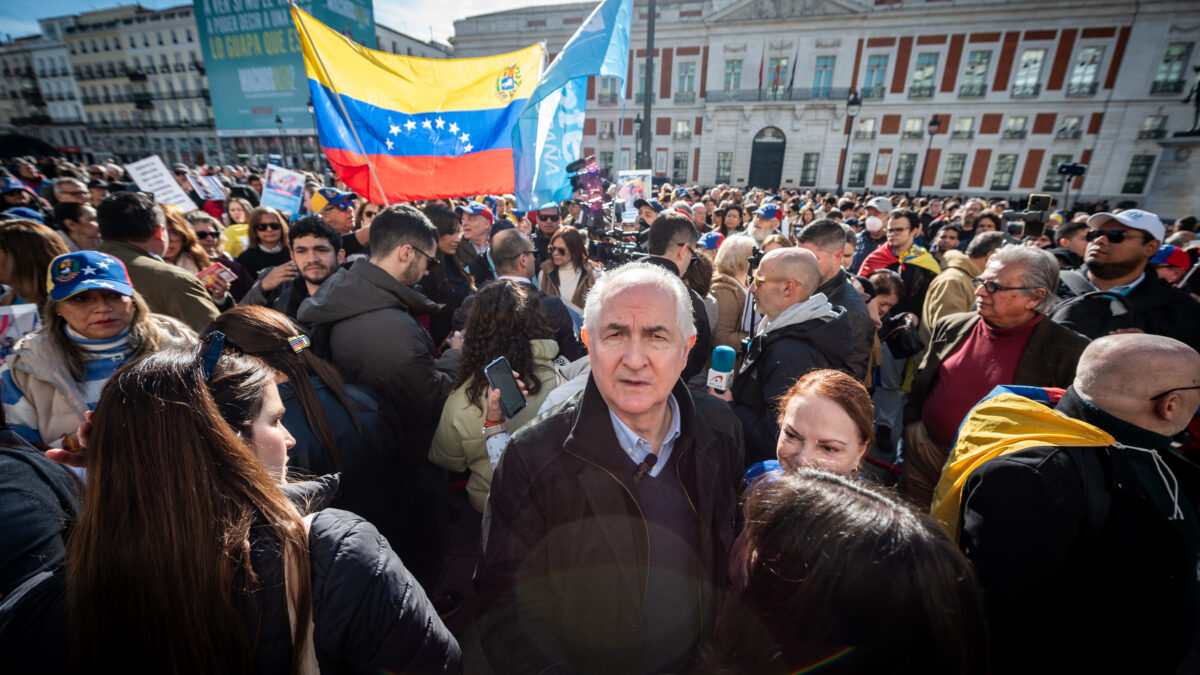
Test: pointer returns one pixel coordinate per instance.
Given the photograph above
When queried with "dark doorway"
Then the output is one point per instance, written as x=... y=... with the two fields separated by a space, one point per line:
x=766 y=158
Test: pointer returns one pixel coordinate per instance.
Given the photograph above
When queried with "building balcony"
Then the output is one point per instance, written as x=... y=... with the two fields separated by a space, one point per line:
x=681 y=135
x=1152 y=133
x=606 y=135
x=1069 y=134
x=1026 y=90
x=972 y=90
x=685 y=97
x=1167 y=87
x=777 y=94
x=1083 y=89
x=606 y=99
x=862 y=135
x=873 y=93
x=912 y=135
x=31 y=120
x=639 y=97
x=963 y=133
x=1011 y=134
x=922 y=90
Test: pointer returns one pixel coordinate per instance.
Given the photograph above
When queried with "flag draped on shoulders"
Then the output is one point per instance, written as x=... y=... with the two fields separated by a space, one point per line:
x=549 y=134
x=430 y=128
x=883 y=257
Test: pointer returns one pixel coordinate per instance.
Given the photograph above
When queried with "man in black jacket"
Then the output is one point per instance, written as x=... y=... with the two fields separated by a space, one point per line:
x=671 y=242
x=1112 y=292
x=800 y=331
x=316 y=253
x=826 y=239
x=513 y=256
x=610 y=519
x=1087 y=552
x=364 y=315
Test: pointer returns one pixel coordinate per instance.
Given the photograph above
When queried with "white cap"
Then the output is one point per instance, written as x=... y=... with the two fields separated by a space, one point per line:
x=1133 y=218
x=881 y=204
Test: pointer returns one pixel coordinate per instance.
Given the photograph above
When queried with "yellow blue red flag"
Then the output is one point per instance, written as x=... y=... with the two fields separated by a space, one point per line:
x=430 y=128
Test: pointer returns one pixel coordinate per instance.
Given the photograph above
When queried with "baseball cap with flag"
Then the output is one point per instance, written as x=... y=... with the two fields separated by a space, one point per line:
x=327 y=196
x=74 y=273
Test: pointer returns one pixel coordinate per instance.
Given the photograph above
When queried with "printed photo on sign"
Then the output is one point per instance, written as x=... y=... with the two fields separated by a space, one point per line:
x=283 y=189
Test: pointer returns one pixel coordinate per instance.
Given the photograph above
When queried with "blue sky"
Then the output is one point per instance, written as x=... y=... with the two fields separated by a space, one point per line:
x=415 y=17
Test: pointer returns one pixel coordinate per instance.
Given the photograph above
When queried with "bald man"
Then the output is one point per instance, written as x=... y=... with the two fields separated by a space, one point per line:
x=1088 y=554
x=800 y=331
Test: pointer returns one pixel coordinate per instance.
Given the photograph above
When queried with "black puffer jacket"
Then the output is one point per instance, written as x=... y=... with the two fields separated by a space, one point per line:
x=774 y=362
x=1151 y=306
x=369 y=614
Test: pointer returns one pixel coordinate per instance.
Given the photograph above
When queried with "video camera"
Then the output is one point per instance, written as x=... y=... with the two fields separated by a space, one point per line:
x=1034 y=215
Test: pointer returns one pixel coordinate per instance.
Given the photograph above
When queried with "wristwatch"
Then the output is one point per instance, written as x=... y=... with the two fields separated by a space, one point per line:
x=488 y=432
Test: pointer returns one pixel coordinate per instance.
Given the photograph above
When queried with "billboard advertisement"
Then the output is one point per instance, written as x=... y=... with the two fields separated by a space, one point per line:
x=254 y=63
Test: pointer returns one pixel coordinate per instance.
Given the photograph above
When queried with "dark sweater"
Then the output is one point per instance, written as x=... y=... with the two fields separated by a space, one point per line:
x=255 y=259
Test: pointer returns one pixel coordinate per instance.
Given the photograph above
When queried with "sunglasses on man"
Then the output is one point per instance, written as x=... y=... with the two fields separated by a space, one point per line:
x=548 y=219
x=1113 y=236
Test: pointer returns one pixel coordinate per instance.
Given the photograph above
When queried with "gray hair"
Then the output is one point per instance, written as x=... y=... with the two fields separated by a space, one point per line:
x=635 y=274
x=733 y=256
x=984 y=243
x=1039 y=269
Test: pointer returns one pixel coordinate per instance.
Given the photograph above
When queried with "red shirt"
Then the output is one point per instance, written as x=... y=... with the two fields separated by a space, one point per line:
x=985 y=358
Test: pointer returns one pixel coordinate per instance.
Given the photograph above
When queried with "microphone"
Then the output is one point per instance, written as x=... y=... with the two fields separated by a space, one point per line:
x=644 y=468
x=721 y=371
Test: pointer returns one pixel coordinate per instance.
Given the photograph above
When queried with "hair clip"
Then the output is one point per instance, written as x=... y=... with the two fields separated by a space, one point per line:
x=299 y=343
x=216 y=342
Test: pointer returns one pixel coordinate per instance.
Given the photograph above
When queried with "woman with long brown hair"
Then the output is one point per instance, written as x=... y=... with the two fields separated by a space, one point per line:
x=337 y=426
x=568 y=274
x=183 y=248
x=269 y=245
x=26 y=249
x=506 y=320
x=188 y=557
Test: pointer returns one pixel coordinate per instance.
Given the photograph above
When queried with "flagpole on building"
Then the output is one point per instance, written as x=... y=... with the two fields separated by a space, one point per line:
x=345 y=114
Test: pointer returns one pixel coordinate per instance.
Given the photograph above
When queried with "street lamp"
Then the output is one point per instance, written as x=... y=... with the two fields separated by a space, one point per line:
x=641 y=160
x=853 y=106
x=934 y=125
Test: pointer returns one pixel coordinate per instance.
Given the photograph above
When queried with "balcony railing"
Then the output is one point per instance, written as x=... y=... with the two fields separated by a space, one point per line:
x=962 y=133
x=680 y=135
x=606 y=135
x=1014 y=133
x=873 y=93
x=1166 y=86
x=639 y=97
x=863 y=135
x=777 y=94
x=1152 y=133
x=685 y=97
x=1026 y=90
x=922 y=90
x=1083 y=89
x=1069 y=134
x=607 y=99
x=913 y=134
x=972 y=89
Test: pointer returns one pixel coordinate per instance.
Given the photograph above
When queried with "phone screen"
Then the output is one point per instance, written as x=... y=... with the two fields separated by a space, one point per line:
x=499 y=376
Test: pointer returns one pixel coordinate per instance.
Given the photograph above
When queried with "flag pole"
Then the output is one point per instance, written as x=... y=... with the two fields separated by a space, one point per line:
x=338 y=96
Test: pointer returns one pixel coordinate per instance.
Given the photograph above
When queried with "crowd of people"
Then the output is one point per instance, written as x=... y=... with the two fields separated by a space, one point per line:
x=758 y=432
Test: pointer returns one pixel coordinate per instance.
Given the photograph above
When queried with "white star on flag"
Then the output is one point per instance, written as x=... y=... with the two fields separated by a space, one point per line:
x=467 y=147
x=410 y=125
x=389 y=144
x=394 y=129
x=440 y=122
x=103 y=264
x=427 y=125
x=464 y=138
x=95 y=282
x=454 y=127
x=89 y=270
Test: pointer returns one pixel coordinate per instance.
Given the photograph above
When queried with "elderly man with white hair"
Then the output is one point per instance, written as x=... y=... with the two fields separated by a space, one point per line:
x=1008 y=339
x=1082 y=527
x=609 y=523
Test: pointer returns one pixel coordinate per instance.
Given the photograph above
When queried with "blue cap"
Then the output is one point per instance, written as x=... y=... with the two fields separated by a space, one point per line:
x=73 y=273
x=500 y=226
x=12 y=185
x=25 y=212
x=652 y=203
x=711 y=240
x=476 y=209
x=768 y=211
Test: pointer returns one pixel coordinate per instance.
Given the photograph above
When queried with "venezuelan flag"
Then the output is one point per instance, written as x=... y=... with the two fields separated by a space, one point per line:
x=431 y=128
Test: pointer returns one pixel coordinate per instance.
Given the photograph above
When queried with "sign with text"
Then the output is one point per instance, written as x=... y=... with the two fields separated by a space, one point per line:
x=152 y=176
x=282 y=189
x=254 y=64
x=208 y=187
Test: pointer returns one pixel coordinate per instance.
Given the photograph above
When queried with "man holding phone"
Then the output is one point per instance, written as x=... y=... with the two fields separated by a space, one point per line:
x=316 y=254
x=610 y=519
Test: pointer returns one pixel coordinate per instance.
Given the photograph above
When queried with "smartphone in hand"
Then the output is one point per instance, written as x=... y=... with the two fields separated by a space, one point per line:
x=499 y=376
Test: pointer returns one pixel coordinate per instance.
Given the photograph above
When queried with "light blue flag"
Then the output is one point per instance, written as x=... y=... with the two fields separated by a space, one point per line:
x=549 y=132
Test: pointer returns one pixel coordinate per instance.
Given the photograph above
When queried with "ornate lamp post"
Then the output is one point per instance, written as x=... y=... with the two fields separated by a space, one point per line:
x=853 y=106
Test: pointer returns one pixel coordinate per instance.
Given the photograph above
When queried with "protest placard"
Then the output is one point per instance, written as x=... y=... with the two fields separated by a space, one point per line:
x=153 y=176
x=283 y=189
x=632 y=186
x=16 y=321
x=208 y=187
